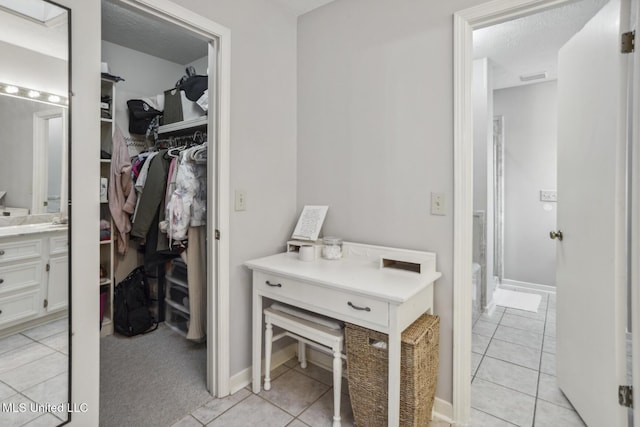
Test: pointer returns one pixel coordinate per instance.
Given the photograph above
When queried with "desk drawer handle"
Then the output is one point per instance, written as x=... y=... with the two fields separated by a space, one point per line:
x=275 y=285
x=1 y=252
x=358 y=308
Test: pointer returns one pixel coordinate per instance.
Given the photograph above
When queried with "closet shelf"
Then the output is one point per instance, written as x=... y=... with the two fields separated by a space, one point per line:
x=187 y=124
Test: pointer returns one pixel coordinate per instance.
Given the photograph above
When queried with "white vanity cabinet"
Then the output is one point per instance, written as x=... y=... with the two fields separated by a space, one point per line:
x=34 y=278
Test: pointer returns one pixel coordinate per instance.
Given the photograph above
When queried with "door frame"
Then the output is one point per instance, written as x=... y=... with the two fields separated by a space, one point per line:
x=40 y=156
x=464 y=23
x=218 y=183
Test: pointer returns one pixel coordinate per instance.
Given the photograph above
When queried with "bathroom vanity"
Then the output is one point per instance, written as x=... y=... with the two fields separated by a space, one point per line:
x=34 y=278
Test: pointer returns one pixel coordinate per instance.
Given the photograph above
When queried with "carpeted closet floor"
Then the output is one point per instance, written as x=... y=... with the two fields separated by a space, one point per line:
x=150 y=380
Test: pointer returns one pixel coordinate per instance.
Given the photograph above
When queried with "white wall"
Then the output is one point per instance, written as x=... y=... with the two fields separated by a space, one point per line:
x=33 y=70
x=144 y=75
x=530 y=123
x=263 y=143
x=375 y=130
x=483 y=163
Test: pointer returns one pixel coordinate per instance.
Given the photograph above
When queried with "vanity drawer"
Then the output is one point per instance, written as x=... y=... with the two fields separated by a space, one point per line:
x=19 y=307
x=59 y=245
x=332 y=302
x=18 y=276
x=20 y=249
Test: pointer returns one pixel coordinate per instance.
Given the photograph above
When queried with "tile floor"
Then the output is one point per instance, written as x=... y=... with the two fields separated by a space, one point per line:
x=33 y=371
x=298 y=398
x=513 y=370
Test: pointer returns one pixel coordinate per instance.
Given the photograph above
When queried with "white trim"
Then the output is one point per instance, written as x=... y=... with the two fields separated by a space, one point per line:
x=218 y=364
x=243 y=378
x=40 y=156
x=464 y=23
x=634 y=249
x=524 y=286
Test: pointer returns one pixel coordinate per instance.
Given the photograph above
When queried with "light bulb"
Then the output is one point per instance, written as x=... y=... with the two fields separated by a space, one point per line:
x=11 y=89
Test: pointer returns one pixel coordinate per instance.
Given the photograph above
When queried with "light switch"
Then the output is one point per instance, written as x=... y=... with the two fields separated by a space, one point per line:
x=438 y=206
x=548 y=196
x=241 y=200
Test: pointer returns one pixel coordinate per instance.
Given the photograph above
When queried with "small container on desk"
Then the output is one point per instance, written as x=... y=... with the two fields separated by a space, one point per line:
x=331 y=248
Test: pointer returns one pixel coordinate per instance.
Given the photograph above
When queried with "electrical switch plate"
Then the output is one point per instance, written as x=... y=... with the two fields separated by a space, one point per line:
x=438 y=206
x=548 y=196
x=241 y=200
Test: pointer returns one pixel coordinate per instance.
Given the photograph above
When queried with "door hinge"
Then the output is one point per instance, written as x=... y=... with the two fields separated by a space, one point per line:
x=628 y=44
x=625 y=396
x=48 y=266
x=46 y=303
x=217 y=234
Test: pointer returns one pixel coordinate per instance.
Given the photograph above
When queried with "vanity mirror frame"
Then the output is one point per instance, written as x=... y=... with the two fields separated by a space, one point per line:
x=40 y=166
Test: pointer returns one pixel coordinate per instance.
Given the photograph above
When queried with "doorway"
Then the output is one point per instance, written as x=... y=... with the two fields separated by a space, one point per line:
x=215 y=124
x=465 y=23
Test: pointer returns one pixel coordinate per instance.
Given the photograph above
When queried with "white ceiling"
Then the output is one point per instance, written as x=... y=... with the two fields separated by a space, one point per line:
x=530 y=45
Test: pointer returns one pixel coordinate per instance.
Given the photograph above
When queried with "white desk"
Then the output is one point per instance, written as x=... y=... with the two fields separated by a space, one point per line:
x=353 y=289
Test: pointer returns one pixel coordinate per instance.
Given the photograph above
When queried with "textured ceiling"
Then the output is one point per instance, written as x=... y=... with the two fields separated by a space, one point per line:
x=530 y=45
x=149 y=35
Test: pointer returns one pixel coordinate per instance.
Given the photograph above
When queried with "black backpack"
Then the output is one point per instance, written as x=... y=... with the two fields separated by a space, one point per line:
x=131 y=303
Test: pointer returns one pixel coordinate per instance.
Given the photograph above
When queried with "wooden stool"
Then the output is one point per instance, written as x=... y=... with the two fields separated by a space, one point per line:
x=309 y=329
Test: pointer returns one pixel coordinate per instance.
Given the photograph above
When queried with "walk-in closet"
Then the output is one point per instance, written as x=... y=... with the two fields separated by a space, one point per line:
x=155 y=163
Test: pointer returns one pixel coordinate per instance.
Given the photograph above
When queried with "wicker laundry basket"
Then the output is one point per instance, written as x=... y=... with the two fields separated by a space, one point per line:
x=367 y=365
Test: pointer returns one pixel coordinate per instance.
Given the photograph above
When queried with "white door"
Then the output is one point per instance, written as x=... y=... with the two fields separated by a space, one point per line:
x=591 y=289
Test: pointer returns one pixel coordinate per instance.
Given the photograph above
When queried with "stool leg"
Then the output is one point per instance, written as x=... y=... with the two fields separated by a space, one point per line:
x=302 y=354
x=268 y=341
x=337 y=386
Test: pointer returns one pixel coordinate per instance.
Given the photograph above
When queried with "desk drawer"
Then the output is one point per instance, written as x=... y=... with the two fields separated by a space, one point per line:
x=22 y=249
x=19 y=307
x=332 y=302
x=20 y=276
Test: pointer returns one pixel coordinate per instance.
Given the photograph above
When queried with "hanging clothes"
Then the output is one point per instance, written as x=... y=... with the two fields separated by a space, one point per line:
x=195 y=256
x=188 y=204
x=122 y=197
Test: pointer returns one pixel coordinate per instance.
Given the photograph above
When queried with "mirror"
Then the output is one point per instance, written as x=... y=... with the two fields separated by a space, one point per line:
x=34 y=229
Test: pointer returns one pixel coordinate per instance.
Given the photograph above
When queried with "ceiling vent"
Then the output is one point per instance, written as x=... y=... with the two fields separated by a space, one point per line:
x=534 y=76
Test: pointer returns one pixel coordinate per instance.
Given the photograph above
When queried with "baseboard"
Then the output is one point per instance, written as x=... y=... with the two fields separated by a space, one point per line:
x=518 y=285
x=244 y=377
x=442 y=410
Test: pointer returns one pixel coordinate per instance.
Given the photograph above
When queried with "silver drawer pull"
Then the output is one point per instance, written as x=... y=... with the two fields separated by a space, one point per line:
x=355 y=307
x=275 y=285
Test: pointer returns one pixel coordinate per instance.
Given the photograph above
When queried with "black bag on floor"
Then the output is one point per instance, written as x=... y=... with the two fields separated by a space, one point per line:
x=131 y=302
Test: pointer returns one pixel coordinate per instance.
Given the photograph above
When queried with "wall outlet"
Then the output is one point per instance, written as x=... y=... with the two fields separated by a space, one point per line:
x=241 y=200
x=438 y=204
x=548 y=196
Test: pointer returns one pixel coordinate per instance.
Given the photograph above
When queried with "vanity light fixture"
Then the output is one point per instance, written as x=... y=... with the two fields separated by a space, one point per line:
x=33 y=95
